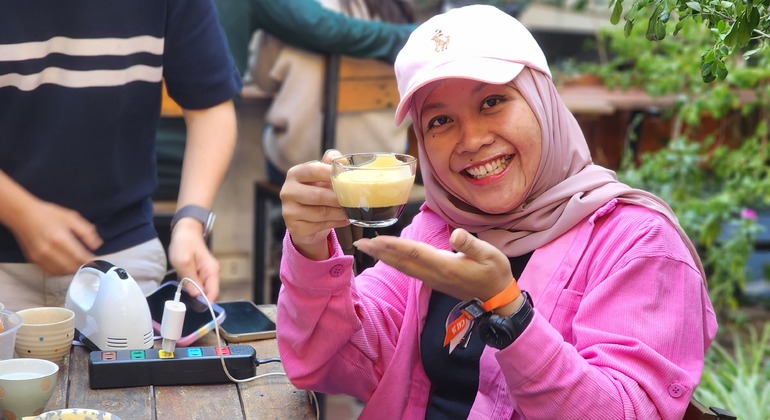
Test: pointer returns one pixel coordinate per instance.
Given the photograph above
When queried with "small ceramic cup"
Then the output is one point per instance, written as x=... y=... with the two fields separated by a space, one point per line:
x=45 y=333
x=26 y=385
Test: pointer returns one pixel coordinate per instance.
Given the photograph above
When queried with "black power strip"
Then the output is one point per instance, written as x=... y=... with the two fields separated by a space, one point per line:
x=186 y=366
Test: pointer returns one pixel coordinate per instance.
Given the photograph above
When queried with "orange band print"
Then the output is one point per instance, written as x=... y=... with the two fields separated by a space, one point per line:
x=508 y=295
x=457 y=326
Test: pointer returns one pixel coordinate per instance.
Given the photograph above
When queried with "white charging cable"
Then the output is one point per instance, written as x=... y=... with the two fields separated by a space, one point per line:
x=174 y=322
x=171 y=331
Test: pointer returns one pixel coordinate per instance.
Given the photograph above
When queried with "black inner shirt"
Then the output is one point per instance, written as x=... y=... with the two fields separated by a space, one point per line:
x=454 y=377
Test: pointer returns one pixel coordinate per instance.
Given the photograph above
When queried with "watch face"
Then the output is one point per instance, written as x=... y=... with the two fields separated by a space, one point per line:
x=493 y=333
x=209 y=225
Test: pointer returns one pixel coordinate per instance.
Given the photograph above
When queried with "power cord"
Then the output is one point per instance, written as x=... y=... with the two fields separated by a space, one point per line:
x=174 y=312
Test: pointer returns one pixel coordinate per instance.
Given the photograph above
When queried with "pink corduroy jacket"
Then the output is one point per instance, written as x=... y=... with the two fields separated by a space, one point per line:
x=622 y=322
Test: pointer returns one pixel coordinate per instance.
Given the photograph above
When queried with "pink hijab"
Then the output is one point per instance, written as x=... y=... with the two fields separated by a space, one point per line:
x=567 y=187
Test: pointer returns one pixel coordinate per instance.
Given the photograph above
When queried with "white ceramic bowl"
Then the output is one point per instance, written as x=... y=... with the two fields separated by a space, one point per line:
x=45 y=333
x=11 y=322
x=74 y=414
x=26 y=385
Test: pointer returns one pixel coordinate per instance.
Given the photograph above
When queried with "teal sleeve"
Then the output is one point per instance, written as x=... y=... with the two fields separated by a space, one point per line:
x=307 y=24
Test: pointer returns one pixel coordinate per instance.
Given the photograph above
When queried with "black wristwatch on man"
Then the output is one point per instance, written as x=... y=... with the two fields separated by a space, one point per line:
x=201 y=214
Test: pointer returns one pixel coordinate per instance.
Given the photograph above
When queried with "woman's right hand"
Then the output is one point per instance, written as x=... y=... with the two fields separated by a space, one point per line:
x=310 y=207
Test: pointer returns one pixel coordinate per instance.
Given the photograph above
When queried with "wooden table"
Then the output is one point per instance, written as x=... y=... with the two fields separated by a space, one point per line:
x=271 y=397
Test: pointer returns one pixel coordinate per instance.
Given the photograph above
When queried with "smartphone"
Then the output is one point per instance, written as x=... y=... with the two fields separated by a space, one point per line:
x=197 y=318
x=245 y=322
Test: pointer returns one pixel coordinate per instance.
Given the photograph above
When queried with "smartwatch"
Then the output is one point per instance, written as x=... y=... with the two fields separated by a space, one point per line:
x=500 y=331
x=203 y=215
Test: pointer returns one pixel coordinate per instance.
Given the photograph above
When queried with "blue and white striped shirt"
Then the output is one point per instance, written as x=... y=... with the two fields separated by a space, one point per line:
x=80 y=92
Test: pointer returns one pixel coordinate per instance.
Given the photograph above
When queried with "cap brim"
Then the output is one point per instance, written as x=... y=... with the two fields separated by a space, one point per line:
x=483 y=69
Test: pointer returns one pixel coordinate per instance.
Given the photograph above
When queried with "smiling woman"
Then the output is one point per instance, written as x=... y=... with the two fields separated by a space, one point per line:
x=517 y=291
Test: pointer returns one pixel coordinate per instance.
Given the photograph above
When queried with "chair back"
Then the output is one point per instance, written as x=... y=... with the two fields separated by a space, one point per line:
x=355 y=85
x=697 y=411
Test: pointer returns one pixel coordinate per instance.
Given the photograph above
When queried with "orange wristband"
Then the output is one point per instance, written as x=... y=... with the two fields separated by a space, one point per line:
x=508 y=295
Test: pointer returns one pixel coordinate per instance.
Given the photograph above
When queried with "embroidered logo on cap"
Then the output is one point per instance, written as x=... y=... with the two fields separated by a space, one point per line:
x=441 y=40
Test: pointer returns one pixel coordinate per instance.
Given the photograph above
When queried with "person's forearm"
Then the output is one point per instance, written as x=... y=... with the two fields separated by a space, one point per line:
x=307 y=24
x=211 y=137
x=331 y=32
x=316 y=28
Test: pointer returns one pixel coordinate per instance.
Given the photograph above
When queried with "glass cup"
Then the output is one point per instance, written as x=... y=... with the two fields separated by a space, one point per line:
x=373 y=188
x=9 y=325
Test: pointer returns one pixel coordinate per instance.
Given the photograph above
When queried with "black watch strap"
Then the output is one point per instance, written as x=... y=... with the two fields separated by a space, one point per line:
x=201 y=214
x=501 y=331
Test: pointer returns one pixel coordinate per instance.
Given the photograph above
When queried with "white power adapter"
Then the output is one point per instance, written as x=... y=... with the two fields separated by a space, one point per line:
x=172 y=322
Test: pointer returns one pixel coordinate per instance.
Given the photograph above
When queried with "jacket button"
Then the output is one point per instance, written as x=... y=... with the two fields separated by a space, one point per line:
x=675 y=390
x=337 y=270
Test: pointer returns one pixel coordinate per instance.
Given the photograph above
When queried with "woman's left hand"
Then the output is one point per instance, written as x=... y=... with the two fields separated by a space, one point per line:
x=476 y=270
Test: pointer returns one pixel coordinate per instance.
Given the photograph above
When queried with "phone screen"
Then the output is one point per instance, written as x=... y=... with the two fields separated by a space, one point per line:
x=196 y=316
x=244 y=318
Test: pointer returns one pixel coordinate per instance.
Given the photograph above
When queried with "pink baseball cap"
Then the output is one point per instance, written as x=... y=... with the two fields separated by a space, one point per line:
x=478 y=42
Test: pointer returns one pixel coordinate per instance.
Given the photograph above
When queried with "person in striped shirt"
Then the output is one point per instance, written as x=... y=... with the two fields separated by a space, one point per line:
x=80 y=96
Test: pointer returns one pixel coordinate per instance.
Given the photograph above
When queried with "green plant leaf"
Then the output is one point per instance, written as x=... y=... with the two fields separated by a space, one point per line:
x=722 y=72
x=731 y=38
x=705 y=68
x=617 y=10
x=694 y=6
x=753 y=18
x=628 y=27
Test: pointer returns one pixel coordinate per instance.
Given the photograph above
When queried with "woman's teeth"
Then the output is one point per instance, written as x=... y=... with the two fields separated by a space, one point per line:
x=490 y=168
